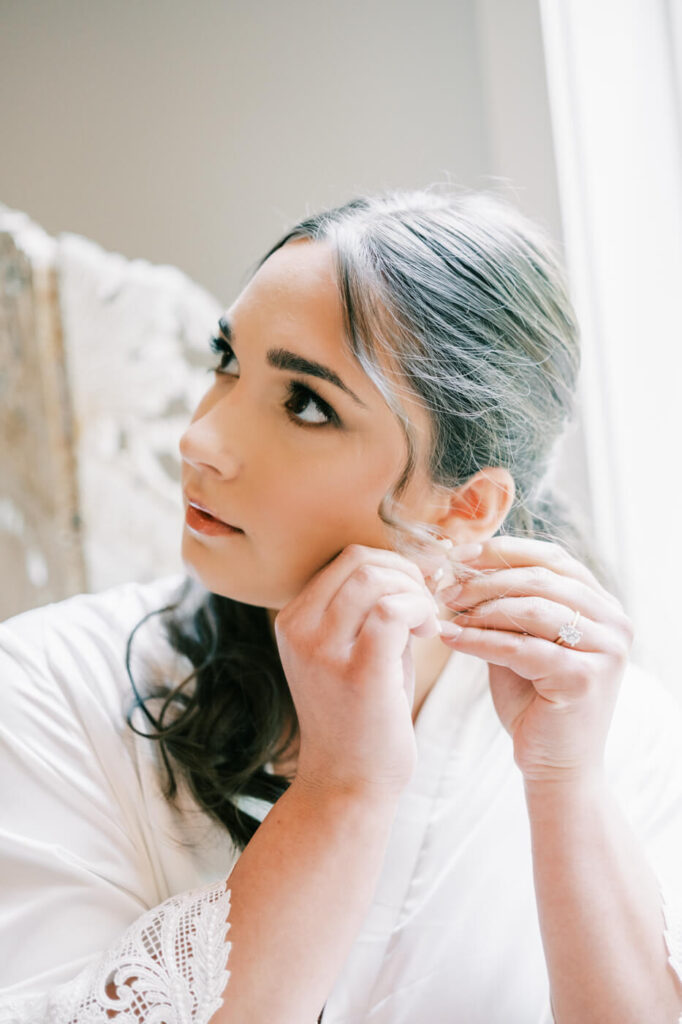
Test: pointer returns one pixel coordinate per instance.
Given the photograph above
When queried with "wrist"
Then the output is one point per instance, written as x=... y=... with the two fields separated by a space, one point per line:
x=560 y=792
x=359 y=801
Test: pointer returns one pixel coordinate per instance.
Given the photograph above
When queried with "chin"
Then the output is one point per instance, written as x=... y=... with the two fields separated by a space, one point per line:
x=209 y=574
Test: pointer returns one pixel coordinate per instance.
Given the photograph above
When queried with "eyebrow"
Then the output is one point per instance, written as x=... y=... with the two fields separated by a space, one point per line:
x=283 y=359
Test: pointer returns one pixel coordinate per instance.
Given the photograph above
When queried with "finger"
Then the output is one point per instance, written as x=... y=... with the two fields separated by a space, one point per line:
x=511 y=552
x=321 y=588
x=543 y=619
x=532 y=581
x=387 y=628
x=438 y=564
x=531 y=658
x=358 y=594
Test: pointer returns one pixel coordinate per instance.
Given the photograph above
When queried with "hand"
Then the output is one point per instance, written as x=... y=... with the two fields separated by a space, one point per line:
x=345 y=647
x=554 y=700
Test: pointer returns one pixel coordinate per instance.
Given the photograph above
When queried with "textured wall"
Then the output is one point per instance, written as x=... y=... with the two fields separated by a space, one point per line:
x=103 y=361
x=40 y=547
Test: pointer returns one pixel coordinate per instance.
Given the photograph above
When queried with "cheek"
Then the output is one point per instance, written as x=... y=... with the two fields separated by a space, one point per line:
x=333 y=500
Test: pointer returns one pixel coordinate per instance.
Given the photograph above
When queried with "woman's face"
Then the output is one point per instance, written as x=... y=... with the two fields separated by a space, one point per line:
x=299 y=463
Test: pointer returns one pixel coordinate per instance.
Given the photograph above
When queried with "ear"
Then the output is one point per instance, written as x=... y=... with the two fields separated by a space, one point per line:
x=476 y=510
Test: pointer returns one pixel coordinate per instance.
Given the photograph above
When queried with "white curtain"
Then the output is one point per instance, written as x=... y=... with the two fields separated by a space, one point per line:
x=613 y=69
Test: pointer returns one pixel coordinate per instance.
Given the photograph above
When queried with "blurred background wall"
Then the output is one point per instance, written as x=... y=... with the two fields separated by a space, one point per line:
x=192 y=133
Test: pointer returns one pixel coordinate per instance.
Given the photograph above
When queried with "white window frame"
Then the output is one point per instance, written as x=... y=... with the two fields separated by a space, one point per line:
x=614 y=88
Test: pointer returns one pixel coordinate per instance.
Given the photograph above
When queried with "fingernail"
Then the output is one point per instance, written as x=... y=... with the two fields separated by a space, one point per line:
x=448 y=630
x=450 y=593
x=464 y=552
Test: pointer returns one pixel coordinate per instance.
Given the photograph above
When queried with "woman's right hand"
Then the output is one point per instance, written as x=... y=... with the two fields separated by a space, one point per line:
x=345 y=646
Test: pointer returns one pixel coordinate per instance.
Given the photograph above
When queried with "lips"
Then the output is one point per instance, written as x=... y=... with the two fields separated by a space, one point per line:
x=210 y=512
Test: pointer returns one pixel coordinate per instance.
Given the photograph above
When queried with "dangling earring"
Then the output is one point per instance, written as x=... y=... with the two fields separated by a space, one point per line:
x=446 y=544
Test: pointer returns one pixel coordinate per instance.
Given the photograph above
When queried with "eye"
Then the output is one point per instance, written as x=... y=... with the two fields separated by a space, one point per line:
x=221 y=347
x=303 y=399
x=304 y=406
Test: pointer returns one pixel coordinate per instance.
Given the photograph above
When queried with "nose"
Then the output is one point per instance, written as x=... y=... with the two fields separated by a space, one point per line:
x=210 y=443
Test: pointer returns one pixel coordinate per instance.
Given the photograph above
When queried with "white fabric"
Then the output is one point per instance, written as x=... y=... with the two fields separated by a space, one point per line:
x=169 y=968
x=90 y=850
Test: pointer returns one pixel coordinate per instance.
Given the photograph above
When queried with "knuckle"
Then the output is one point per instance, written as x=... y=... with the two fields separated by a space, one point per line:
x=541 y=576
x=533 y=609
x=513 y=643
x=385 y=609
x=354 y=552
x=365 y=574
x=561 y=557
x=293 y=636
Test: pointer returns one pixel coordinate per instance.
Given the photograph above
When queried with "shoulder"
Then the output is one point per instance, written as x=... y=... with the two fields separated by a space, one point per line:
x=86 y=836
x=71 y=654
x=117 y=607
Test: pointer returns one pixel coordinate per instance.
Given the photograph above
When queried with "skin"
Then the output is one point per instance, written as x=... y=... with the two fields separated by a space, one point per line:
x=303 y=493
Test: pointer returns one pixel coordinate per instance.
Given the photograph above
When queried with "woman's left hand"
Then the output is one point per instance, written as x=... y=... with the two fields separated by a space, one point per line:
x=556 y=701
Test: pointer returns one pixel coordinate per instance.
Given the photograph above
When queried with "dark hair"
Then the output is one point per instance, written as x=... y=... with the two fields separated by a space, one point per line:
x=467 y=297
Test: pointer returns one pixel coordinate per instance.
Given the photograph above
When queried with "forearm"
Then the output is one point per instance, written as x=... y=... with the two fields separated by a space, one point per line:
x=599 y=909
x=299 y=893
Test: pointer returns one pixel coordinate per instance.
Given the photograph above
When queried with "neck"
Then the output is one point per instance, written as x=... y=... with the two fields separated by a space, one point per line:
x=430 y=658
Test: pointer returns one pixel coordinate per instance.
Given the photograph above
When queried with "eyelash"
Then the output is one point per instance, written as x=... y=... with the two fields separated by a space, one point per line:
x=297 y=390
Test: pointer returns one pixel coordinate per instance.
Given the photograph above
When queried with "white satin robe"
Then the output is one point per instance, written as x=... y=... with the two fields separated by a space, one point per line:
x=90 y=851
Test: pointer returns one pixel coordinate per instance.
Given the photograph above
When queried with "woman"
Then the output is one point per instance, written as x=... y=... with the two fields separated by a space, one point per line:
x=313 y=763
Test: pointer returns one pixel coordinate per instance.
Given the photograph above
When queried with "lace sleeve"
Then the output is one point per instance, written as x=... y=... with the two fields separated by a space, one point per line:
x=168 y=968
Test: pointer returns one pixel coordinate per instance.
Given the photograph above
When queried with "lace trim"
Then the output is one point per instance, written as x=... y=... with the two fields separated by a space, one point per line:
x=672 y=915
x=169 y=968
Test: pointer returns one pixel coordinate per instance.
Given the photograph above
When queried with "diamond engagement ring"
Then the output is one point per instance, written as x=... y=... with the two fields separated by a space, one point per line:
x=568 y=634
